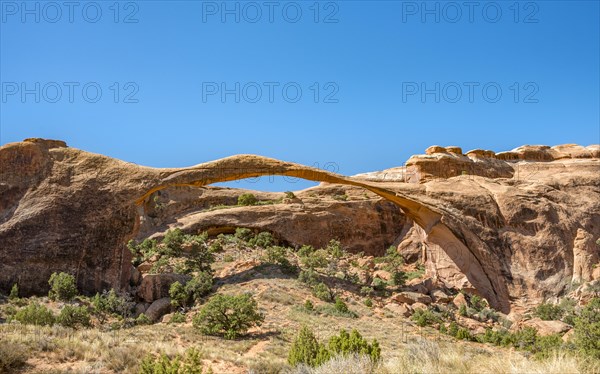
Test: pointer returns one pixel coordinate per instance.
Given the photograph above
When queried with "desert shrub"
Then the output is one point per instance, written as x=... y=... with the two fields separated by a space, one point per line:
x=247 y=199
x=190 y=363
x=462 y=310
x=316 y=259
x=393 y=259
x=340 y=197
x=74 y=316
x=341 y=306
x=142 y=251
x=215 y=246
x=322 y=292
x=477 y=303
x=308 y=276
x=568 y=306
x=349 y=343
x=14 y=292
x=378 y=284
x=62 y=287
x=488 y=313
x=172 y=242
x=200 y=285
x=276 y=255
x=289 y=195
x=308 y=305
x=243 y=234
x=463 y=334
x=424 y=317
x=178 y=294
x=334 y=248
x=307 y=350
x=177 y=318
x=366 y=290
x=12 y=356
x=110 y=302
x=398 y=278
x=200 y=257
x=142 y=320
x=35 y=314
x=587 y=329
x=262 y=239
x=228 y=315
x=524 y=339
x=228 y=258
x=548 y=312
x=305 y=250
x=545 y=346
x=161 y=266
x=368 y=302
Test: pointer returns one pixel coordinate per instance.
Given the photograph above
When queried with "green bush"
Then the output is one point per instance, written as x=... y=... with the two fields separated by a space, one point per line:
x=307 y=350
x=308 y=276
x=587 y=329
x=228 y=315
x=172 y=243
x=262 y=239
x=316 y=259
x=200 y=285
x=247 y=199
x=305 y=250
x=62 y=287
x=289 y=195
x=142 y=320
x=110 y=302
x=334 y=248
x=341 y=306
x=425 y=317
x=200 y=257
x=368 y=302
x=14 y=292
x=177 y=318
x=548 y=312
x=243 y=234
x=35 y=314
x=350 y=343
x=178 y=294
x=308 y=305
x=190 y=363
x=142 y=251
x=74 y=316
x=463 y=334
x=398 y=278
x=276 y=255
x=366 y=290
x=322 y=292
x=228 y=258
x=378 y=284
x=477 y=303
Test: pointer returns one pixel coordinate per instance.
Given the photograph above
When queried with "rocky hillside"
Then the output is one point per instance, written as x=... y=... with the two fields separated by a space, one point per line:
x=516 y=227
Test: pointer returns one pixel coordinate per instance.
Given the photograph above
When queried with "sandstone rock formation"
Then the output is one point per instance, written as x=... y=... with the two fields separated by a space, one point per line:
x=515 y=227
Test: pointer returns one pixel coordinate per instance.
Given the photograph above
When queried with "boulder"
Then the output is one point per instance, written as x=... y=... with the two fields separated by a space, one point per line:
x=366 y=263
x=454 y=149
x=166 y=318
x=400 y=309
x=144 y=267
x=411 y=298
x=568 y=336
x=459 y=300
x=418 y=306
x=435 y=149
x=440 y=296
x=156 y=286
x=158 y=309
x=547 y=327
x=136 y=276
x=382 y=274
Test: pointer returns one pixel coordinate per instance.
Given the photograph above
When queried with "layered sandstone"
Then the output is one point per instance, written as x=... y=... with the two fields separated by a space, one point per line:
x=515 y=227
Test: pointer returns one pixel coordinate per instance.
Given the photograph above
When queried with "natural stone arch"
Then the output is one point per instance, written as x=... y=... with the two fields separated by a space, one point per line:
x=64 y=209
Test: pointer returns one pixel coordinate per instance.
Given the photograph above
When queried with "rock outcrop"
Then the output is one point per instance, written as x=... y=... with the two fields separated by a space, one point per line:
x=514 y=226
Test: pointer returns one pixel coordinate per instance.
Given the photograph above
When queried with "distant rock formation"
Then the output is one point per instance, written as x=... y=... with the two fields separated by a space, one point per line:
x=515 y=227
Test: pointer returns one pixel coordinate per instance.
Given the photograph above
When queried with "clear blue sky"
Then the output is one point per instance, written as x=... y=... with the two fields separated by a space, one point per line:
x=370 y=59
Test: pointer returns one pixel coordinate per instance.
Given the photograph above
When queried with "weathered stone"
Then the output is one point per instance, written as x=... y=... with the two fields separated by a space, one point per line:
x=459 y=300
x=411 y=297
x=158 y=309
x=440 y=296
x=156 y=286
x=547 y=327
x=400 y=309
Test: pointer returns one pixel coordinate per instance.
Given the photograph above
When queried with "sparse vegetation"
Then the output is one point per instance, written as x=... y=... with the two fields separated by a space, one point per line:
x=189 y=363
x=321 y=291
x=247 y=199
x=14 y=292
x=35 y=314
x=62 y=287
x=74 y=316
x=228 y=315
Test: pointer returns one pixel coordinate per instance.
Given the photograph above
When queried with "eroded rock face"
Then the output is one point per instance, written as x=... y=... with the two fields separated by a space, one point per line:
x=515 y=228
